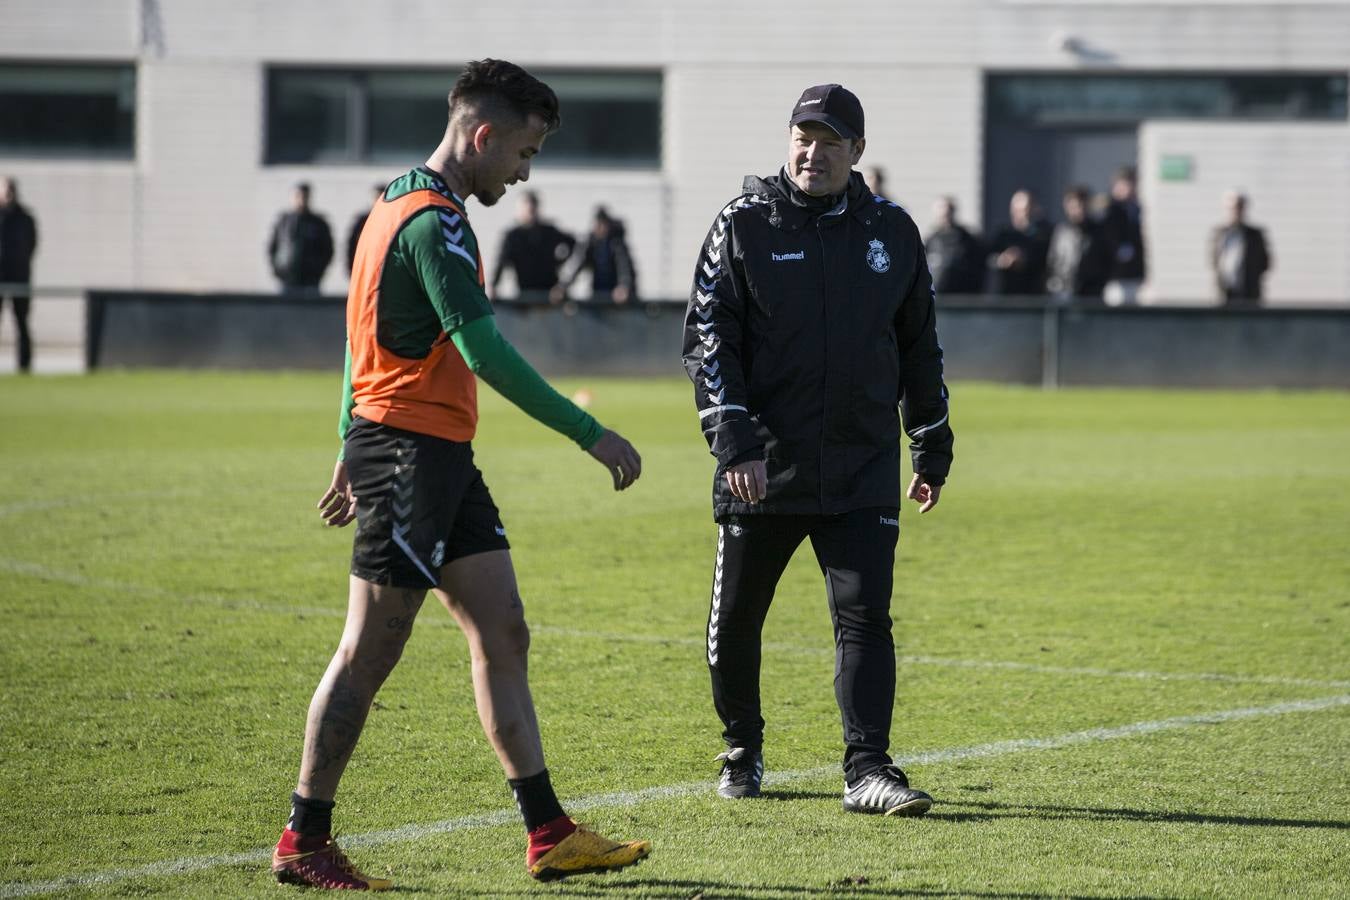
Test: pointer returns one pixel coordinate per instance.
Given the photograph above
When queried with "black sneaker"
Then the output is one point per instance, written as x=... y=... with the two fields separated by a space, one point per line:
x=742 y=771
x=886 y=791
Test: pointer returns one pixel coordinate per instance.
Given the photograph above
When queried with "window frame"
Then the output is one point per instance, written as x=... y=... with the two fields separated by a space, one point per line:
x=998 y=77
x=113 y=153
x=360 y=148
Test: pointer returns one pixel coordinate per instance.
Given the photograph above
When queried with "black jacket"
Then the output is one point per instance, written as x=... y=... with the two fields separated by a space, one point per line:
x=1124 y=230
x=1239 y=256
x=1078 y=261
x=535 y=252
x=1027 y=278
x=610 y=262
x=18 y=243
x=956 y=259
x=804 y=332
x=354 y=238
x=301 y=248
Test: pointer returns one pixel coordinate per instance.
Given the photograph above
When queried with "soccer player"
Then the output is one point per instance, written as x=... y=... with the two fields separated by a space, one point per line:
x=419 y=328
x=811 y=319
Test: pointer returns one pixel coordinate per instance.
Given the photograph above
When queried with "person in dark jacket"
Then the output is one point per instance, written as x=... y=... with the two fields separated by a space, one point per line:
x=301 y=246
x=1079 y=257
x=606 y=256
x=1239 y=255
x=535 y=250
x=1018 y=250
x=359 y=225
x=18 y=243
x=810 y=321
x=955 y=256
x=1123 y=226
x=875 y=177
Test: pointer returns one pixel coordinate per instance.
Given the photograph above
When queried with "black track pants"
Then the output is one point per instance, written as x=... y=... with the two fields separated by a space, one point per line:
x=856 y=553
x=20 y=304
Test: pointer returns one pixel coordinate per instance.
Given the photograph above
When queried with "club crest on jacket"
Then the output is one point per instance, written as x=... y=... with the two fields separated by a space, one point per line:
x=877 y=257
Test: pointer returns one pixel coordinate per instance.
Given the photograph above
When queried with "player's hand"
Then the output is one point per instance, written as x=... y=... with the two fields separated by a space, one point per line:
x=620 y=457
x=923 y=493
x=620 y=295
x=749 y=481
x=337 y=506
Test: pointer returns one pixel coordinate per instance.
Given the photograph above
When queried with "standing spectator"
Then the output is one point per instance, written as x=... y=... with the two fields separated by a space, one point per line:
x=613 y=277
x=535 y=250
x=358 y=225
x=1124 y=230
x=875 y=176
x=810 y=336
x=1239 y=255
x=1018 y=251
x=1079 y=258
x=955 y=256
x=18 y=242
x=302 y=245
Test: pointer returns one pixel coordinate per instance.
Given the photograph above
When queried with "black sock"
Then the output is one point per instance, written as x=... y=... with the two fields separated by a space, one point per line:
x=534 y=795
x=311 y=817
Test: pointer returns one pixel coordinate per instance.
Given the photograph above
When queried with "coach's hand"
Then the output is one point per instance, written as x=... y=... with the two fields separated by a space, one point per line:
x=337 y=506
x=749 y=481
x=923 y=492
x=620 y=457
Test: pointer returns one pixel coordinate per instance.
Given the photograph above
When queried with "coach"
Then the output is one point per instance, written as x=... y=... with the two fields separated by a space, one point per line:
x=811 y=319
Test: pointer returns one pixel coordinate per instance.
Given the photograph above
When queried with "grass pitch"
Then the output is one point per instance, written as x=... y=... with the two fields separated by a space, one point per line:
x=1125 y=641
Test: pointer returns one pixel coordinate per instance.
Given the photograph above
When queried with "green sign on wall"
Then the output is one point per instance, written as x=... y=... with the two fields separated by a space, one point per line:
x=1176 y=168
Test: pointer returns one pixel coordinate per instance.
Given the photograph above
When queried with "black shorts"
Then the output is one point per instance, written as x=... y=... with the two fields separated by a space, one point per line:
x=420 y=503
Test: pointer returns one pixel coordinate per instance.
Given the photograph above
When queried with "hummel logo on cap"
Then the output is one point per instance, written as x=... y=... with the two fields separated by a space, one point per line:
x=833 y=105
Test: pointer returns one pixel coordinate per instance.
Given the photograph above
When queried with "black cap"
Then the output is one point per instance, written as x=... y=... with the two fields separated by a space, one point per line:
x=832 y=104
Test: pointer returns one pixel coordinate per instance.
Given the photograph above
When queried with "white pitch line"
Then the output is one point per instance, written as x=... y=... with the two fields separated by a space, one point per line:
x=48 y=503
x=621 y=799
x=43 y=573
x=1141 y=675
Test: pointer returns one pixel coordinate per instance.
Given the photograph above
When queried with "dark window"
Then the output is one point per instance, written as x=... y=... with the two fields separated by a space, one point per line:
x=397 y=115
x=407 y=112
x=68 y=110
x=1044 y=99
x=609 y=119
x=312 y=117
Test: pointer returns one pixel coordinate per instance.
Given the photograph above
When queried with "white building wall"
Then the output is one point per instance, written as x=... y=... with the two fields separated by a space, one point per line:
x=1297 y=177
x=193 y=210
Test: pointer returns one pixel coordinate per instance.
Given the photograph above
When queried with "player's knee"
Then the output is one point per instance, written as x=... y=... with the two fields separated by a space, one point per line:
x=520 y=637
x=864 y=625
x=372 y=661
x=507 y=646
x=515 y=639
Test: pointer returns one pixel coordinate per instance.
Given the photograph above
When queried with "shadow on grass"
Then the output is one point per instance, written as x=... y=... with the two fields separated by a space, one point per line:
x=688 y=889
x=802 y=795
x=1021 y=810
x=942 y=811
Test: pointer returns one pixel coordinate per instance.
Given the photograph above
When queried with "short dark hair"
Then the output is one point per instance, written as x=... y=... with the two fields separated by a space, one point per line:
x=495 y=86
x=1127 y=173
x=1080 y=193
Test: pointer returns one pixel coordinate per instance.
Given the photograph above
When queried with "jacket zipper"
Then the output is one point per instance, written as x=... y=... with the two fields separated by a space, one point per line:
x=825 y=355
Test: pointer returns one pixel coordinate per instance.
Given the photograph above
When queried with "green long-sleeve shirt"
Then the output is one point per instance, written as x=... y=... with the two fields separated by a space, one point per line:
x=492 y=358
x=429 y=286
